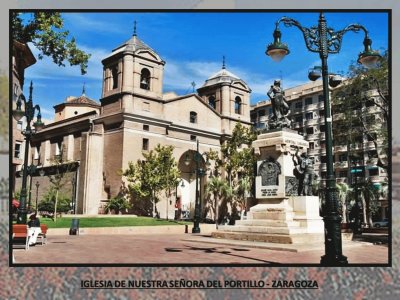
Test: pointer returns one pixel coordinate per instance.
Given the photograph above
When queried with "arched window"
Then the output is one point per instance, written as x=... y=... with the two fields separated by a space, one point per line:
x=145 y=79
x=114 y=74
x=238 y=105
x=211 y=102
x=193 y=117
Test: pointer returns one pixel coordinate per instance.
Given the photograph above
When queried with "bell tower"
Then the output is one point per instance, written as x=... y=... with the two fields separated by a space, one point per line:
x=228 y=95
x=132 y=70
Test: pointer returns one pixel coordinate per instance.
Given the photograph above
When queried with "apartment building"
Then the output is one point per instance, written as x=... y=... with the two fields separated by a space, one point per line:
x=307 y=114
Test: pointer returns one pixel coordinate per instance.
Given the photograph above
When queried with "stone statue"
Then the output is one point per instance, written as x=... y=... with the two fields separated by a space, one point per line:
x=280 y=107
x=269 y=171
x=304 y=172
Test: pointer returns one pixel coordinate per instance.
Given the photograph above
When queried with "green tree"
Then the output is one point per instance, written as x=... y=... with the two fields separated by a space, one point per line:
x=58 y=177
x=238 y=154
x=49 y=200
x=46 y=31
x=370 y=197
x=156 y=173
x=242 y=191
x=363 y=105
x=218 y=190
x=237 y=163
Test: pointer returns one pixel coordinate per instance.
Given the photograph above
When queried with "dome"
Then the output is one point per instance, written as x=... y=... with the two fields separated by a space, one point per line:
x=82 y=99
x=133 y=44
x=223 y=76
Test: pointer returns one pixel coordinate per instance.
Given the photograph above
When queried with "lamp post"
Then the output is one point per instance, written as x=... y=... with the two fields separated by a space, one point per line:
x=31 y=171
x=37 y=195
x=324 y=40
x=29 y=113
x=199 y=173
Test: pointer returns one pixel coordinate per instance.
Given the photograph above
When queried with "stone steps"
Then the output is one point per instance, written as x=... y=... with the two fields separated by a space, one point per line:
x=273 y=215
x=268 y=223
x=263 y=229
x=270 y=238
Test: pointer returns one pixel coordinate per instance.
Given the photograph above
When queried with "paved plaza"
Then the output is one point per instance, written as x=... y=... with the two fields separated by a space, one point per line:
x=184 y=249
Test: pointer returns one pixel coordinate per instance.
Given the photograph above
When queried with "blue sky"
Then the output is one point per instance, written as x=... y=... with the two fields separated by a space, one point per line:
x=192 y=44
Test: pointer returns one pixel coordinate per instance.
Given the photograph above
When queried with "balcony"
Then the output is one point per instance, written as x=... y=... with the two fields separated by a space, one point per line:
x=357 y=163
x=338 y=116
x=297 y=124
x=370 y=93
x=312 y=137
x=375 y=179
x=341 y=148
x=297 y=109
x=356 y=146
x=372 y=162
x=311 y=122
x=341 y=164
x=313 y=151
x=369 y=145
x=321 y=136
x=371 y=110
x=323 y=166
x=320 y=105
x=341 y=180
x=309 y=107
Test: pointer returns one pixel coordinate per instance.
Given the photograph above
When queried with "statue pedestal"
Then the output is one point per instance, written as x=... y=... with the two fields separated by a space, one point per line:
x=280 y=215
x=306 y=212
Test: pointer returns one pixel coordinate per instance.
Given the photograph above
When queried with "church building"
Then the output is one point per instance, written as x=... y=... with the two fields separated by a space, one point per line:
x=133 y=116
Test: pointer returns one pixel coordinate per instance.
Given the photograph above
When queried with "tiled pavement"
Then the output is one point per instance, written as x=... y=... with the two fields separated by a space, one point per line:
x=181 y=249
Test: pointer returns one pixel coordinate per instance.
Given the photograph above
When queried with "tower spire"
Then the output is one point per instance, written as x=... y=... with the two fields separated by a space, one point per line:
x=134 y=28
x=223 y=62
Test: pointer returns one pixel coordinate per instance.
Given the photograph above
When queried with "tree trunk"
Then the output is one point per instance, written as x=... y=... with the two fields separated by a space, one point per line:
x=55 y=207
x=344 y=211
x=153 y=201
x=216 y=210
x=369 y=213
x=364 y=210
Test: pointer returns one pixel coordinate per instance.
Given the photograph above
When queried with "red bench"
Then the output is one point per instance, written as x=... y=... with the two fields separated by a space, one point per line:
x=20 y=233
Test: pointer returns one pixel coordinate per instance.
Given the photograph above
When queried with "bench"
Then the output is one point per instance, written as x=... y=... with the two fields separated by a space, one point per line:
x=20 y=233
x=42 y=236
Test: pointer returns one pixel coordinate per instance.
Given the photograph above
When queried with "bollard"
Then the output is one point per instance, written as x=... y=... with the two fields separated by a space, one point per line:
x=186 y=229
x=74 y=230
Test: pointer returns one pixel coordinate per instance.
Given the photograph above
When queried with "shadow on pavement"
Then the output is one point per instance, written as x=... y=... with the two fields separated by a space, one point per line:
x=216 y=251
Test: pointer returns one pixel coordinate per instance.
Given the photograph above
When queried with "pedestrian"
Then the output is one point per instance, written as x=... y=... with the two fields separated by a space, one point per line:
x=34 y=229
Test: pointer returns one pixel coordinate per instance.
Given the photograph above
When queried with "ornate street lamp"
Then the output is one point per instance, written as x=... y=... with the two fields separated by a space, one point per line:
x=31 y=171
x=324 y=40
x=199 y=173
x=29 y=113
x=37 y=195
x=315 y=73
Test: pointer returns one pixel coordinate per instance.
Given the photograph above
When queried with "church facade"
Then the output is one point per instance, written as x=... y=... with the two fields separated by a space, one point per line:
x=133 y=116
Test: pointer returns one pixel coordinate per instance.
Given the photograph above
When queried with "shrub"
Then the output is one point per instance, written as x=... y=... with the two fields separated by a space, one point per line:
x=47 y=204
x=117 y=204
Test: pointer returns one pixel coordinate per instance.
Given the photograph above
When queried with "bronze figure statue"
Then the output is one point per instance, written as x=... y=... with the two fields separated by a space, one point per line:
x=280 y=107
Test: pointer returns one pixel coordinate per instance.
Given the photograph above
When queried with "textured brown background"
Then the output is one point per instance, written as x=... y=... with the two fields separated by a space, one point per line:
x=64 y=282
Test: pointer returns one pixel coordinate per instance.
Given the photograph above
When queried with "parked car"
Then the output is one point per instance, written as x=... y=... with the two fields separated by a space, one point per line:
x=383 y=223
